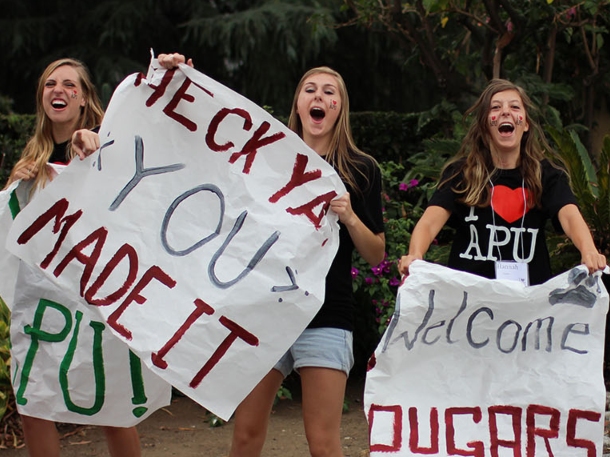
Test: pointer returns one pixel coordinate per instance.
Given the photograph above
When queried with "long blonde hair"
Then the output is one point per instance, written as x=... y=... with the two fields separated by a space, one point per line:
x=343 y=154
x=474 y=159
x=40 y=146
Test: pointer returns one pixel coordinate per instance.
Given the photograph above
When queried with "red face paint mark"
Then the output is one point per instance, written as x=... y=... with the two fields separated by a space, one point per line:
x=74 y=94
x=333 y=104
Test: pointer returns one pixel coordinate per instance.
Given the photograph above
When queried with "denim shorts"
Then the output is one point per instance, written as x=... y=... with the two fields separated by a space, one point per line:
x=324 y=347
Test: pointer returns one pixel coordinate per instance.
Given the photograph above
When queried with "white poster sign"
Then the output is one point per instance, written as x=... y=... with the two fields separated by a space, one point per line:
x=66 y=365
x=12 y=200
x=199 y=231
x=477 y=367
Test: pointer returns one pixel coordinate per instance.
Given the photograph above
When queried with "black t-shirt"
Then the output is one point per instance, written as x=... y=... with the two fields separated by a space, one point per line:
x=59 y=154
x=503 y=231
x=338 y=308
x=60 y=150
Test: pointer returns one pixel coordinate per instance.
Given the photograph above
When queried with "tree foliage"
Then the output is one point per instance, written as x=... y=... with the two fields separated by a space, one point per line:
x=262 y=41
x=465 y=43
x=260 y=48
x=395 y=55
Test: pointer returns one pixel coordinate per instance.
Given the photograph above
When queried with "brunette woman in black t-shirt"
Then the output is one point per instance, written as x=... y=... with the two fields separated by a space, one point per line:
x=499 y=191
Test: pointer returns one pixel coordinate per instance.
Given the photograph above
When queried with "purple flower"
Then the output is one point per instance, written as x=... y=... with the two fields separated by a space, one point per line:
x=378 y=270
x=394 y=282
x=406 y=186
x=369 y=280
x=386 y=266
x=355 y=272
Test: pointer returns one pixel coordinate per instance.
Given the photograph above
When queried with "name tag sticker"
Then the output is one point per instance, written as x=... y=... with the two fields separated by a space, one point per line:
x=513 y=271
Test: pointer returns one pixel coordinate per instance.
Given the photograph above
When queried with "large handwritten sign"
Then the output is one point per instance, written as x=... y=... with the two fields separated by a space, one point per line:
x=66 y=364
x=474 y=367
x=199 y=231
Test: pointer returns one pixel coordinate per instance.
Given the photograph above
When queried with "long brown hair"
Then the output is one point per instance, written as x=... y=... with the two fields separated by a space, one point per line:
x=343 y=154
x=474 y=159
x=40 y=146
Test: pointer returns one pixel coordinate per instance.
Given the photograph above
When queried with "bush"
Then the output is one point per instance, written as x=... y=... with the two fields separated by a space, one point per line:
x=14 y=132
x=11 y=434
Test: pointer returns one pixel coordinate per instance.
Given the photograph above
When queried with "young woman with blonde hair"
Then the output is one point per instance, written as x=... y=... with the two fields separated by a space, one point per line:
x=66 y=100
x=322 y=355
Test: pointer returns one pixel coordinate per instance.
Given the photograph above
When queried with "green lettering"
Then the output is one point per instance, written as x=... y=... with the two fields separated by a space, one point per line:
x=37 y=335
x=137 y=384
x=98 y=369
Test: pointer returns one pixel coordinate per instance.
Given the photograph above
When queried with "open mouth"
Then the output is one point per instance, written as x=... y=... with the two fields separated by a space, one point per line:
x=317 y=113
x=506 y=127
x=58 y=104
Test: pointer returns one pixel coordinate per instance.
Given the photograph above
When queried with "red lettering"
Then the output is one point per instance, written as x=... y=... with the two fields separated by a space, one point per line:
x=56 y=212
x=153 y=272
x=298 y=177
x=396 y=411
x=307 y=209
x=201 y=308
x=215 y=122
x=236 y=332
x=159 y=90
x=371 y=363
x=571 y=440
x=551 y=429
x=125 y=251
x=257 y=141
x=495 y=442
x=545 y=433
x=476 y=446
x=99 y=238
x=182 y=95
x=139 y=77
x=171 y=106
x=414 y=435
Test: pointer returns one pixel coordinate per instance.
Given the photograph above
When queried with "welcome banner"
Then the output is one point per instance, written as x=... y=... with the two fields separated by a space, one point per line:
x=478 y=367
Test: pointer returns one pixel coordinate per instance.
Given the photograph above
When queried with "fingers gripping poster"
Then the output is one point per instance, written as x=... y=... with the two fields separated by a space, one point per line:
x=474 y=367
x=198 y=231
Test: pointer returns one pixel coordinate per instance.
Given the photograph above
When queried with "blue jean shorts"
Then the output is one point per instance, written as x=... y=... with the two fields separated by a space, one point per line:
x=324 y=347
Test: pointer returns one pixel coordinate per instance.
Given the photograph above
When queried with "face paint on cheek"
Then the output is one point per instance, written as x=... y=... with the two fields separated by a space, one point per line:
x=493 y=121
x=74 y=93
x=519 y=121
x=333 y=104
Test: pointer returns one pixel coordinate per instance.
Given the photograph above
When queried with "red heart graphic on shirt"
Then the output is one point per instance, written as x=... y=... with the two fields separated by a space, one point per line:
x=509 y=203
